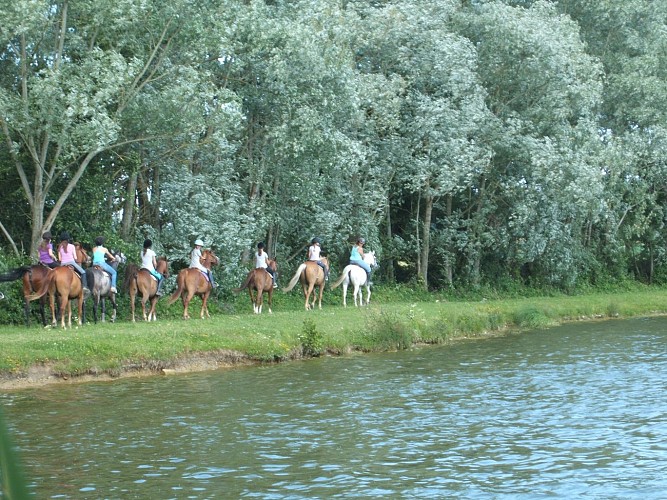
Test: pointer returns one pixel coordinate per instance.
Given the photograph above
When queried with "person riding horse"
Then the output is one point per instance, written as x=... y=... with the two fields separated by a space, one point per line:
x=45 y=251
x=67 y=254
x=100 y=254
x=196 y=262
x=261 y=258
x=357 y=258
x=149 y=262
x=314 y=255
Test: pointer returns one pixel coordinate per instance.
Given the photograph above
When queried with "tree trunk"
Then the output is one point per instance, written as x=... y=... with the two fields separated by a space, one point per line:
x=449 y=272
x=128 y=208
x=390 y=261
x=426 y=239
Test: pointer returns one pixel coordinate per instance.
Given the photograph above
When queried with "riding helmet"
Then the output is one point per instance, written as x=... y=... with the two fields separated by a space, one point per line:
x=64 y=236
x=316 y=240
x=361 y=240
x=47 y=235
x=199 y=243
x=148 y=243
x=99 y=240
x=260 y=244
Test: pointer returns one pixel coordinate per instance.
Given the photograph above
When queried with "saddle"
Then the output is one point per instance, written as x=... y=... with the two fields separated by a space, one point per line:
x=205 y=275
x=74 y=269
x=103 y=270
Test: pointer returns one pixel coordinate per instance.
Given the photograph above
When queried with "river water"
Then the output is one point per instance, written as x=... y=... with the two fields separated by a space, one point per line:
x=574 y=411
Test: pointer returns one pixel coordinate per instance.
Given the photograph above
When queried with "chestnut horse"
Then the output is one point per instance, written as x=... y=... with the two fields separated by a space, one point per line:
x=260 y=281
x=191 y=282
x=311 y=275
x=33 y=277
x=142 y=281
x=67 y=284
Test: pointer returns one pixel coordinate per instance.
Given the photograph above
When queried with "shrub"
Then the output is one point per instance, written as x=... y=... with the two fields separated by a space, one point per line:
x=312 y=342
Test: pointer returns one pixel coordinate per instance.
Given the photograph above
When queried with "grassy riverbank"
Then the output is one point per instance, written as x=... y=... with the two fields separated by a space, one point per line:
x=32 y=356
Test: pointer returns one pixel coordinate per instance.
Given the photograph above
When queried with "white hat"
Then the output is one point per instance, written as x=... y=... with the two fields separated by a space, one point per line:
x=199 y=242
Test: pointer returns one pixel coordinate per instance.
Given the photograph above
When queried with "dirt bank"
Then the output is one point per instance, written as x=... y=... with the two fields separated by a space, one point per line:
x=45 y=374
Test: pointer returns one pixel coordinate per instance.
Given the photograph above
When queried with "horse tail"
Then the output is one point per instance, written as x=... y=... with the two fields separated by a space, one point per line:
x=46 y=284
x=245 y=284
x=295 y=278
x=130 y=274
x=341 y=278
x=14 y=274
x=179 y=289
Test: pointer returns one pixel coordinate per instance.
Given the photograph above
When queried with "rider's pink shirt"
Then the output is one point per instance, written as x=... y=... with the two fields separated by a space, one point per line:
x=67 y=255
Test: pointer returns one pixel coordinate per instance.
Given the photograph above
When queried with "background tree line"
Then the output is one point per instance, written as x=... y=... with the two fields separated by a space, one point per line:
x=471 y=142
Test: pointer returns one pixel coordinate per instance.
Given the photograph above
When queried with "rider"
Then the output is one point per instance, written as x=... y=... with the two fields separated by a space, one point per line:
x=260 y=262
x=357 y=258
x=45 y=251
x=99 y=255
x=67 y=254
x=149 y=262
x=196 y=263
x=314 y=255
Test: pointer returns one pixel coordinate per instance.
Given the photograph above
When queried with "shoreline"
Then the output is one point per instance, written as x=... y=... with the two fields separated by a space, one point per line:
x=32 y=358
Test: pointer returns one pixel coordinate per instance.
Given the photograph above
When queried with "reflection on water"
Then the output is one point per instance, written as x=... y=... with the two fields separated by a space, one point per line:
x=575 y=411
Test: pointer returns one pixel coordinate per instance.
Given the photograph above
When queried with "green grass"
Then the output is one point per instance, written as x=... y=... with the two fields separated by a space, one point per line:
x=390 y=323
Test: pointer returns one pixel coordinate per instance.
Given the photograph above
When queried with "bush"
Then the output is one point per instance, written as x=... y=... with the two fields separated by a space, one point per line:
x=312 y=341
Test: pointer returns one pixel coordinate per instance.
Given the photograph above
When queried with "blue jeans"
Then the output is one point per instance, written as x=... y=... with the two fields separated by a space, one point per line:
x=362 y=265
x=79 y=270
x=110 y=270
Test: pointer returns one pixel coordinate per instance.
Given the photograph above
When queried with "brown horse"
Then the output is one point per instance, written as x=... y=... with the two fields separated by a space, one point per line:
x=33 y=277
x=311 y=275
x=260 y=281
x=67 y=284
x=81 y=257
x=191 y=282
x=142 y=281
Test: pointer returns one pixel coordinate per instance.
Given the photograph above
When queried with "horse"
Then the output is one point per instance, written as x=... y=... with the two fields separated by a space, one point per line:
x=260 y=281
x=67 y=284
x=81 y=257
x=143 y=282
x=357 y=276
x=191 y=282
x=99 y=284
x=311 y=275
x=33 y=277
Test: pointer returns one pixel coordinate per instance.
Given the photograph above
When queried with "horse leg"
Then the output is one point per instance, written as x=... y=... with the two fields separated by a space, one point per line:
x=252 y=299
x=104 y=309
x=368 y=294
x=204 y=305
x=187 y=297
x=344 y=294
x=80 y=309
x=260 y=299
x=357 y=296
x=307 y=291
x=52 y=305
x=270 y=292
x=321 y=293
x=113 y=304
x=152 y=315
x=26 y=310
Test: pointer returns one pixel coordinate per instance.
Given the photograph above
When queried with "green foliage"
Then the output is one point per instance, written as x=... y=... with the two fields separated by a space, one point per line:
x=312 y=341
x=532 y=317
x=483 y=147
x=388 y=331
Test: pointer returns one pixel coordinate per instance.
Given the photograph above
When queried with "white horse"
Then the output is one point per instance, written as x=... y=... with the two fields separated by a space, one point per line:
x=357 y=276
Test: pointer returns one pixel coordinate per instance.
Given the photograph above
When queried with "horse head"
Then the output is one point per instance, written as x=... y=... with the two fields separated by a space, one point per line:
x=162 y=266
x=369 y=258
x=209 y=259
x=81 y=257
